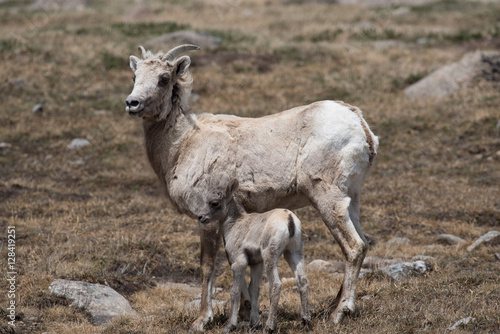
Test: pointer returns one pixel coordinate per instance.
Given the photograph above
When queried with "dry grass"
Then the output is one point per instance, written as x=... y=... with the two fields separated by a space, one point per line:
x=97 y=214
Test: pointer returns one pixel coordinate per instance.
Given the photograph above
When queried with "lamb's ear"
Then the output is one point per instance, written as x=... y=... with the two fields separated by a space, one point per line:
x=182 y=64
x=231 y=187
x=133 y=63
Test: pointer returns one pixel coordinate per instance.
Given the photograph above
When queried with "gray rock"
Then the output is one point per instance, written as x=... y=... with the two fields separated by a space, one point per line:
x=449 y=239
x=37 y=108
x=450 y=78
x=167 y=41
x=398 y=241
x=403 y=271
x=492 y=238
x=78 y=143
x=497 y=256
x=460 y=322
x=102 y=302
x=5 y=145
x=376 y=262
x=321 y=266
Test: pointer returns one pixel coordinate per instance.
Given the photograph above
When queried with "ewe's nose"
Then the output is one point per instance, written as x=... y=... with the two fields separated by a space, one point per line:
x=134 y=104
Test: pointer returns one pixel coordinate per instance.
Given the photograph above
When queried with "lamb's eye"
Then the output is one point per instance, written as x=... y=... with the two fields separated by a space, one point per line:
x=214 y=204
x=164 y=79
x=133 y=79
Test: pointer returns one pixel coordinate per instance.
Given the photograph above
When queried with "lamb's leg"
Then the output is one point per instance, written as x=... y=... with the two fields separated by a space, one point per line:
x=210 y=242
x=271 y=264
x=333 y=205
x=238 y=269
x=245 y=304
x=296 y=262
x=256 y=274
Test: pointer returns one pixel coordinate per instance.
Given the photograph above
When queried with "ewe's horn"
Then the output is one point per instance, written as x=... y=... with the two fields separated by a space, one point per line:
x=141 y=48
x=172 y=54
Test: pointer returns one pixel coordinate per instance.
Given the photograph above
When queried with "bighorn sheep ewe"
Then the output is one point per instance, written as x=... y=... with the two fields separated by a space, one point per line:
x=316 y=154
x=257 y=239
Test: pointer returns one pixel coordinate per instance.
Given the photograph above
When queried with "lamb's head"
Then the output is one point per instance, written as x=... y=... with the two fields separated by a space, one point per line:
x=215 y=206
x=161 y=82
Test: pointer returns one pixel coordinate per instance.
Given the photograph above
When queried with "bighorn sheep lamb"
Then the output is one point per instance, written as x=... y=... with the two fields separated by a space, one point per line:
x=316 y=154
x=256 y=239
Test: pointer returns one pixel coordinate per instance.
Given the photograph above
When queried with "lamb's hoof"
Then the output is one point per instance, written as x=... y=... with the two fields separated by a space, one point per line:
x=244 y=311
x=306 y=323
x=229 y=328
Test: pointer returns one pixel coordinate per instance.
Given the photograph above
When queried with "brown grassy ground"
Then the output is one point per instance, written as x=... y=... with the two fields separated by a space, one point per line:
x=97 y=214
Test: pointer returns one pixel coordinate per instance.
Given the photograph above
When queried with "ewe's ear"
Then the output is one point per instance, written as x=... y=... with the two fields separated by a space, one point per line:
x=182 y=65
x=231 y=187
x=133 y=63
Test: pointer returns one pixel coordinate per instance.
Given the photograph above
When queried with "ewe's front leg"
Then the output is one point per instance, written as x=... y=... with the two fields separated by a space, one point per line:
x=210 y=241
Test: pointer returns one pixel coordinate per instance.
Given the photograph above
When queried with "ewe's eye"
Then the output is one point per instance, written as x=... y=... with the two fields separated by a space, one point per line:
x=164 y=79
x=214 y=204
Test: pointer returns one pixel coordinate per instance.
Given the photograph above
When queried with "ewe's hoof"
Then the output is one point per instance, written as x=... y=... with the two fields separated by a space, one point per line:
x=229 y=328
x=268 y=330
x=340 y=313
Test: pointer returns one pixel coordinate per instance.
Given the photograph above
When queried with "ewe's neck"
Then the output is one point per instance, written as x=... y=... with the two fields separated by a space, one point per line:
x=163 y=138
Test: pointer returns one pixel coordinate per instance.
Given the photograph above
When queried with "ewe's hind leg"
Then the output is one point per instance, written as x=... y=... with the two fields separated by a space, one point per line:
x=254 y=289
x=333 y=205
x=296 y=262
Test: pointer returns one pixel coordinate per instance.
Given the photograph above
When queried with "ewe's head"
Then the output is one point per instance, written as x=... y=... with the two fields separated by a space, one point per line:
x=215 y=205
x=161 y=82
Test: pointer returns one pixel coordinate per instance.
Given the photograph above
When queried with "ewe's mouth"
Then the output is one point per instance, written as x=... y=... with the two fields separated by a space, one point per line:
x=135 y=113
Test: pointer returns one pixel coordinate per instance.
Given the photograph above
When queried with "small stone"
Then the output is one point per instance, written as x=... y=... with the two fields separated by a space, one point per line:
x=398 y=241
x=102 y=302
x=461 y=322
x=38 y=108
x=449 y=239
x=403 y=271
x=367 y=297
x=78 y=143
x=321 y=266
x=491 y=238
x=5 y=145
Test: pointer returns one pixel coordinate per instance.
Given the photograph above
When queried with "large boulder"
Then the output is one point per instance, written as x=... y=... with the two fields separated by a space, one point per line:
x=452 y=77
x=102 y=302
